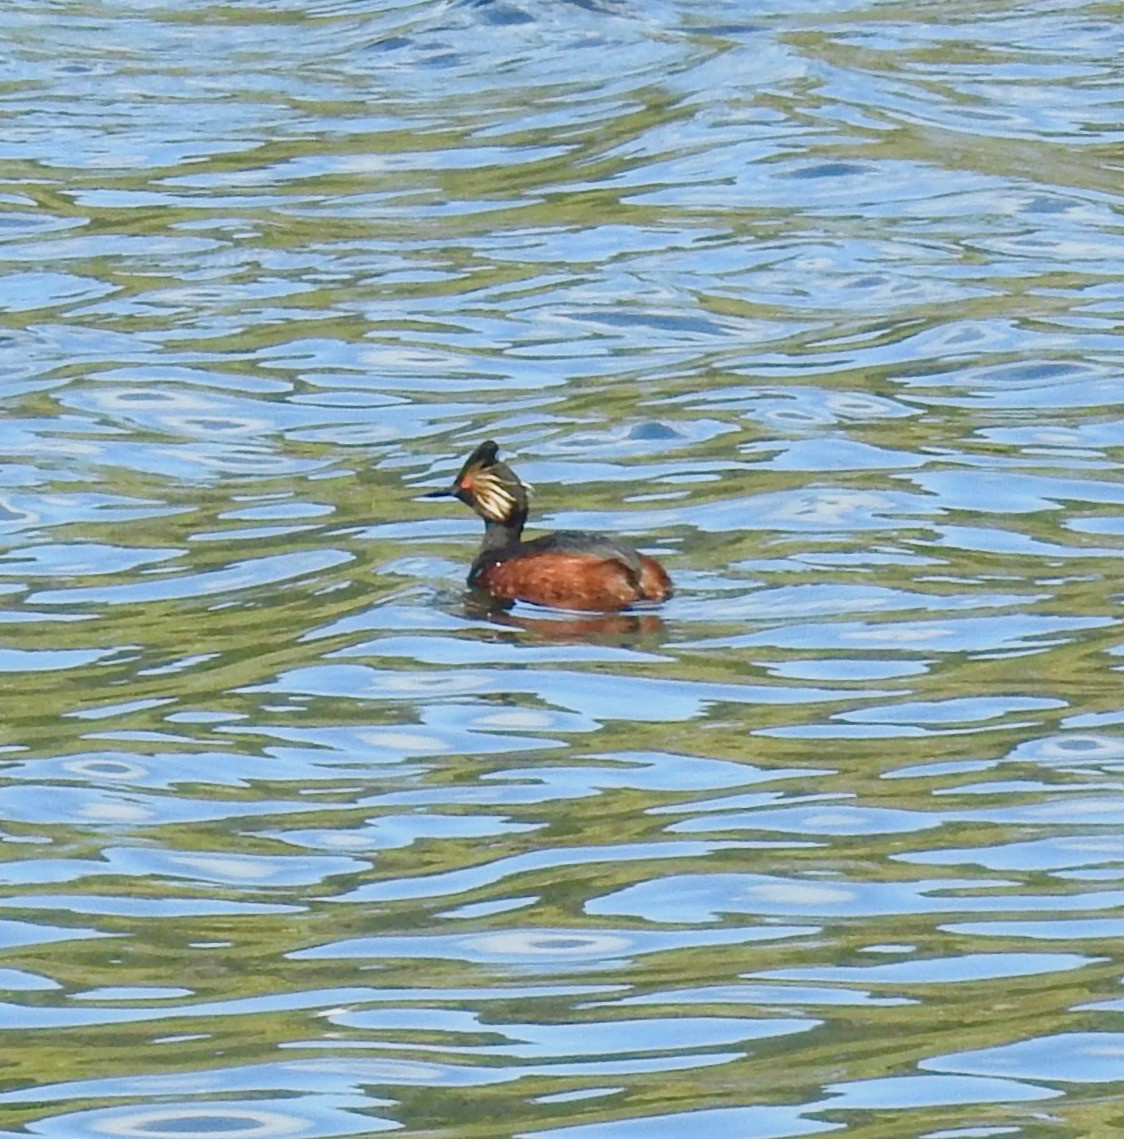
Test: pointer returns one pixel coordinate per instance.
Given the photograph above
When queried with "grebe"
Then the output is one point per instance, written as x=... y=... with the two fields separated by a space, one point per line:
x=569 y=569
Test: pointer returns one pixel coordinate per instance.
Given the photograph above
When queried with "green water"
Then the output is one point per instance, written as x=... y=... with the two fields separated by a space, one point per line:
x=818 y=303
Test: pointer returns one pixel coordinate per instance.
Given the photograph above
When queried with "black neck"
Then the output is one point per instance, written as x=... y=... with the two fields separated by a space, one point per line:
x=500 y=535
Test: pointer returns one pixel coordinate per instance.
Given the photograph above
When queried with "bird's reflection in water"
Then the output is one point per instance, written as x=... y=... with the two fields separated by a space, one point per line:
x=560 y=626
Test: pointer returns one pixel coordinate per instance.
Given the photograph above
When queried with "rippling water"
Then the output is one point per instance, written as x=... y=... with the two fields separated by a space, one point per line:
x=819 y=303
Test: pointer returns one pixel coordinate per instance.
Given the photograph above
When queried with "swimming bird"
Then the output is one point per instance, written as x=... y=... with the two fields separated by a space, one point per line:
x=569 y=569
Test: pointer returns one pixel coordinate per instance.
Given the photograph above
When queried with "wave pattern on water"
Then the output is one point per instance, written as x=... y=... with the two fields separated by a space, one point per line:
x=819 y=303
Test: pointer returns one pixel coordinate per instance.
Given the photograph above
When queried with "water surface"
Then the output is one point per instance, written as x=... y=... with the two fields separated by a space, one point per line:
x=818 y=303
